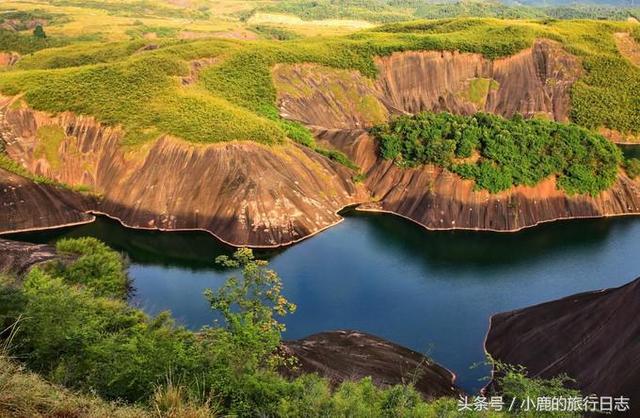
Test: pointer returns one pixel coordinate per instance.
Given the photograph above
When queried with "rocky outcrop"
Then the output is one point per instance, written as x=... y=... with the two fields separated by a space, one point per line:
x=350 y=355
x=242 y=192
x=438 y=199
x=19 y=257
x=8 y=58
x=592 y=337
x=535 y=82
x=249 y=194
x=25 y=205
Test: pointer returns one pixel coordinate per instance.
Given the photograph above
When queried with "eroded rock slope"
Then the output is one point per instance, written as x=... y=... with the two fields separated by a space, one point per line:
x=249 y=194
x=25 y=205
x=243 y=192
x=592 y=337
x=339 y=105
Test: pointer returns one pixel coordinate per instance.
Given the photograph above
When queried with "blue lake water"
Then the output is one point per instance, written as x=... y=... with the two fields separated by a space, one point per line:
x=431 y=291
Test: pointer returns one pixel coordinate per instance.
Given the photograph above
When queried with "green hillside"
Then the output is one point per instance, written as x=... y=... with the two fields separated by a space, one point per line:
x=124 y=83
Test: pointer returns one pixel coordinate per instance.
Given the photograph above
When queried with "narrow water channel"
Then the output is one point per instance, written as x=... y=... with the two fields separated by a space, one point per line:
x=431 y=291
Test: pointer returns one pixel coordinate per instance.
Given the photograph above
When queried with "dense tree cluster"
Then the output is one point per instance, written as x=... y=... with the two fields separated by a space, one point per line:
x=499 y=153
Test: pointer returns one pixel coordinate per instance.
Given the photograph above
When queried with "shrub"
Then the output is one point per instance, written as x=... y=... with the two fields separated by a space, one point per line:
x=98 y=267
x=632 y=167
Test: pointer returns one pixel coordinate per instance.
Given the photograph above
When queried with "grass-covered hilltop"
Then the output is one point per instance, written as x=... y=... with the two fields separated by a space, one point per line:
x=212 y=90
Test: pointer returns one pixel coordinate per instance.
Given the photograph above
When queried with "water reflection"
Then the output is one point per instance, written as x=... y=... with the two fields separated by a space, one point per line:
x=430 y=291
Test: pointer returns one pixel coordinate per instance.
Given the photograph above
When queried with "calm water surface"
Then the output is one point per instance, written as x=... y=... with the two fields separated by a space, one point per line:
x=431 y=291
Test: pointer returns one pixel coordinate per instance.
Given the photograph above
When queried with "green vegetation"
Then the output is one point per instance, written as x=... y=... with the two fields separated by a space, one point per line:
x=25 y=394
x=504 y=153
x=479 y=89
x=68 y=321
x=124 y=83
x=23 y=20
x=80 y=54
x=632 y=167
x=38 y=32
x=135 y=8
x=514 y=383
x=49 y=137
x=370 y=10
x=636 y=33
x=274 y=32
x=387 y=11
x=25 y=44
x=141 y=31
x=96 y=267
x=8 y=164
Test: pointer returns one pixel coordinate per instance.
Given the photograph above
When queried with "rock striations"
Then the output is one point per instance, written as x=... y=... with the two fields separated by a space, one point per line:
x=243 y=192
x=592 y=337
x=249 y=194
x=339 y=105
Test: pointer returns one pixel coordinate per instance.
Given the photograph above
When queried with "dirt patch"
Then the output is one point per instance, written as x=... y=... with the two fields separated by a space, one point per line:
x=195 y=67
x=8 y=58
x=628 y=47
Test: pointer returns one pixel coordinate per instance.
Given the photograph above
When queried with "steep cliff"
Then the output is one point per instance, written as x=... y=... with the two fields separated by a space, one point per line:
x=439 y=199
x=535 y=83
x=592 y=337
x=350 y=355
x=25 y=205
x=242 y=192
x=249 y=194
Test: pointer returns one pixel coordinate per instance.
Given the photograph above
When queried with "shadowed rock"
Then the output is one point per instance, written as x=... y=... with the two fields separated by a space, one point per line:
x=26 y=205
x=593 y=337
x=351 y=355
x=19 y=257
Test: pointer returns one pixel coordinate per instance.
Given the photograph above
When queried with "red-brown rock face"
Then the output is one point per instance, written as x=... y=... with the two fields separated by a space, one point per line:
x=248 y=194
x=439 y=199
x=535 y=82
x=25 y=205
x=8 y=58
x=244 y=193
x=592 y=337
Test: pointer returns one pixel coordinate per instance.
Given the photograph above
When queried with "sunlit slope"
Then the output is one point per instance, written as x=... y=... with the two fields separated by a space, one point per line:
x=218 y=90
